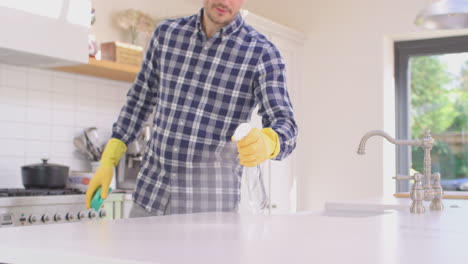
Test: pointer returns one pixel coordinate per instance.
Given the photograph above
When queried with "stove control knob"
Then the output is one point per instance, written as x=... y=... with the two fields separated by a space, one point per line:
x=32 y=219
x=57 y=217
x=81 y=215
x=70 y=217
x=102 y=214
x=92 y=215
x=45 y=218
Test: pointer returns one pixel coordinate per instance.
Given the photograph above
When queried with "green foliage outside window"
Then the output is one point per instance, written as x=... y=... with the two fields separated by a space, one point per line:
x=439 y=102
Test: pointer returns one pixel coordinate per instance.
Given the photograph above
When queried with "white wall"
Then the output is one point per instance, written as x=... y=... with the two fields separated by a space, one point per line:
x=348 y=91
x=41 y=111
x=105 y=27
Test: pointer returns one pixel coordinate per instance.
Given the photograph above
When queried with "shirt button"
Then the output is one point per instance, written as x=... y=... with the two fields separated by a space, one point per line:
x=197 y=72
x=176 y=149
x=181 y=123
x=190 y=97
x=173 y=174
x=205 y=48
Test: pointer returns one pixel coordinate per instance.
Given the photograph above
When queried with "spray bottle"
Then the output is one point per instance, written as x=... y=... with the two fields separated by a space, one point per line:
x=256 y=188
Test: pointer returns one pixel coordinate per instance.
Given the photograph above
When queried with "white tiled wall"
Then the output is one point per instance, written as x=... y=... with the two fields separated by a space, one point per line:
x=41 y=111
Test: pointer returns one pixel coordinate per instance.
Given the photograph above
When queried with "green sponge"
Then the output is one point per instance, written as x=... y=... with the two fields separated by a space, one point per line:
x=97 y=201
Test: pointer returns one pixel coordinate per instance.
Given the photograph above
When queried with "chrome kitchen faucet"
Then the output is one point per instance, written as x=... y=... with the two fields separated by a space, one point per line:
x=418 y=193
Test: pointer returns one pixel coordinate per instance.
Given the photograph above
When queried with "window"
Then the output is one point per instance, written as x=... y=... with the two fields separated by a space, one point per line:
x=432 y=93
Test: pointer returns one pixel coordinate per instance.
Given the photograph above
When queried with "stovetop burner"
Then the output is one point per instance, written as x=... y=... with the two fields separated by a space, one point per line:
x=37 y=192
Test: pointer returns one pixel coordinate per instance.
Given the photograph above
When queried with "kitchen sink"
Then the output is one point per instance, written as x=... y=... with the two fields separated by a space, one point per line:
x=354 y=214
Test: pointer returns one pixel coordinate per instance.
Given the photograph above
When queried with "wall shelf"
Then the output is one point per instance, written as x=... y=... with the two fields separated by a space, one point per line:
x=104 y=69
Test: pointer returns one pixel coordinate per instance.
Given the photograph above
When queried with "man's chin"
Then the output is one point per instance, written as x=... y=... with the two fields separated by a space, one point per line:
x=221 y=21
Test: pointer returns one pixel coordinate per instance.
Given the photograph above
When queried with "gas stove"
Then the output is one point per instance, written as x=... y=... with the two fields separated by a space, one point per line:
x=37 y=192
x=23 y=207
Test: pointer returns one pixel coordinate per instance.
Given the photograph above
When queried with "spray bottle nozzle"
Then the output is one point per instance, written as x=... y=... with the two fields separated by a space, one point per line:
x=241 y=131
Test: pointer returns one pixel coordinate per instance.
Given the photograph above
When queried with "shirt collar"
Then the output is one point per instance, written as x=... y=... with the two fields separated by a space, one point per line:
x=227 y=30
x=198 y=19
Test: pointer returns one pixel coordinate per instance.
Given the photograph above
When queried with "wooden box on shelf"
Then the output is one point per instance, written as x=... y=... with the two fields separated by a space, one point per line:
x=122 y=53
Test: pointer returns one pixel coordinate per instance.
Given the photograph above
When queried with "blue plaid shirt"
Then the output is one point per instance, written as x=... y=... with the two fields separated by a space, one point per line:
x=200 y=90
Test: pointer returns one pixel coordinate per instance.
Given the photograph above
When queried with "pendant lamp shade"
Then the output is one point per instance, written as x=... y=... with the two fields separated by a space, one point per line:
x=445 y=14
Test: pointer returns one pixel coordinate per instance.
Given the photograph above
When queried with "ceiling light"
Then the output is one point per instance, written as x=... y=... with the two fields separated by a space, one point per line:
x=445 y=14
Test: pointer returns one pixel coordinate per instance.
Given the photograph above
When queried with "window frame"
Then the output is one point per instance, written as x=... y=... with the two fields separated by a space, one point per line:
x=403 y=50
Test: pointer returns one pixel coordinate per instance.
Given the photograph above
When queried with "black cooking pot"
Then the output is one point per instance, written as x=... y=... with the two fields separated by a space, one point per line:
x=44 y=175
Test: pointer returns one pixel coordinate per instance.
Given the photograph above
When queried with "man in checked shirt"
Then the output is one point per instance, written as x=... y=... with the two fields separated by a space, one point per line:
x=202 y=76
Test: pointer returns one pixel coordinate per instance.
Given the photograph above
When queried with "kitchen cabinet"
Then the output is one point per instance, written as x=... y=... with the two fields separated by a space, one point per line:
x=127 y=205
x=118 y=205
x=52 y=33
x=280 y=179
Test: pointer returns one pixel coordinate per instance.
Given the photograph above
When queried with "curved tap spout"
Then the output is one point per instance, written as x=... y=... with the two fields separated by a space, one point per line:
x=427 y=142
x=362 y=146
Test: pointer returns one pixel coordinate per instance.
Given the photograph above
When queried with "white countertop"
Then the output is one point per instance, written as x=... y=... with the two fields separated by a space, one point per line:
x=309 y=237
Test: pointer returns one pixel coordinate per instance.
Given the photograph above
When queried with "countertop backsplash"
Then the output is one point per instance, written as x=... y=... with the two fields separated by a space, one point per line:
x=41 y=111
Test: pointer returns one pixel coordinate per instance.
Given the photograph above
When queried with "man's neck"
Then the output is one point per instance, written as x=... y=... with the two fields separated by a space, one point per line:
x=209 y=27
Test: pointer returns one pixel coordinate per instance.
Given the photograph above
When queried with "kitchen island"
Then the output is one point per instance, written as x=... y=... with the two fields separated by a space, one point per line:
x=370 y=237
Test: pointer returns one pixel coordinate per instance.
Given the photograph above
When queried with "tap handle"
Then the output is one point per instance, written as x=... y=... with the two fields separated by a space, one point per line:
x=402 y=177
x=417 y=192
x=436 y=203
x=436 y=177
x=417 y=177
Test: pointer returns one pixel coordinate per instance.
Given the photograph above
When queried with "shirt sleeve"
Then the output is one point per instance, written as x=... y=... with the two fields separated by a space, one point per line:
x=275 y=106
x=141 y=97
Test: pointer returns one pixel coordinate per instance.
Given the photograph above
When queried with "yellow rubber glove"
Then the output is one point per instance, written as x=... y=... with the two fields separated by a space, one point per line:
x=258 y=146
x=114 y=150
